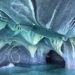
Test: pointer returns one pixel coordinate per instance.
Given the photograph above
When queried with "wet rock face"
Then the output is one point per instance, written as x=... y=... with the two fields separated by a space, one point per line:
x=39 y=57
x=45 y=9
x=18 y=55
x=3 y=56
x=53 y=58
x=56 y=14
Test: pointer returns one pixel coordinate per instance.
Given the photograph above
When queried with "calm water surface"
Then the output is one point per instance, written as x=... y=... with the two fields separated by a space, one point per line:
x=37 y=70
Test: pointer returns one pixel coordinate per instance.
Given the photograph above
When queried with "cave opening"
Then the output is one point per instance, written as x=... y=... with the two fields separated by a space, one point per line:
x=53 y=58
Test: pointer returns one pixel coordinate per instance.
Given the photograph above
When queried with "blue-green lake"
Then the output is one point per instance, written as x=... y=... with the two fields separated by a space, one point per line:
x=37 y=70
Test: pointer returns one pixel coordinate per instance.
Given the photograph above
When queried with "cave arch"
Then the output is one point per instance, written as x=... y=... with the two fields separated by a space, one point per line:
x=53 y=58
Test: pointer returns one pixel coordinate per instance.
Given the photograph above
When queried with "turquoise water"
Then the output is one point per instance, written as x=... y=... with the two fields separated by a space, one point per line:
x=37 y=70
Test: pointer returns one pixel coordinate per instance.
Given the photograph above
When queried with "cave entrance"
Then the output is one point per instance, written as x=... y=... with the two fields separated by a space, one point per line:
x=53 y=58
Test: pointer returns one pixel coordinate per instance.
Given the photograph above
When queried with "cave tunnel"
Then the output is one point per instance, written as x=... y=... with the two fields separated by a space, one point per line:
x=53 y=58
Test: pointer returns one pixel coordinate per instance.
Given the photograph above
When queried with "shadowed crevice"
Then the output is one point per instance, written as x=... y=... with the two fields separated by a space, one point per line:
x=53 y=58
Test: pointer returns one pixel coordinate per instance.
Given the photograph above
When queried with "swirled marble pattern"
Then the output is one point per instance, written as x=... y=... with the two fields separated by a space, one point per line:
x=29 y=29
